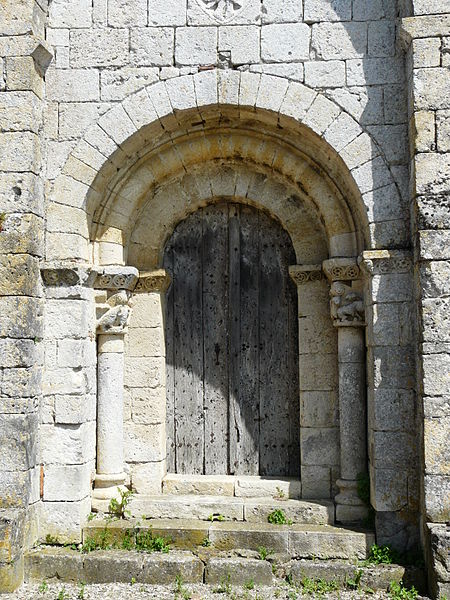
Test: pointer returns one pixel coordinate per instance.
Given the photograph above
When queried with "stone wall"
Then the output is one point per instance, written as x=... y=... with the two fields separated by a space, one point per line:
x=23 y=59
x=427 y=42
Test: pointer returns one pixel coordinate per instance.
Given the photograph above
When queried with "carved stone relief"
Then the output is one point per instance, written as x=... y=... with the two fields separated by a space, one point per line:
x=222 y=11
x=115 y=319
x=302 y=274
x=346 y=305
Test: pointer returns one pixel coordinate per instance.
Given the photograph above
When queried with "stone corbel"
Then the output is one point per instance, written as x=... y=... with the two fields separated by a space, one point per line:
x=382 y=262
x=302 y=274
x=153 y=281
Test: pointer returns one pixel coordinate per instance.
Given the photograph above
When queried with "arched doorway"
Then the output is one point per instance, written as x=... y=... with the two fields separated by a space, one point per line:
x=231 y=345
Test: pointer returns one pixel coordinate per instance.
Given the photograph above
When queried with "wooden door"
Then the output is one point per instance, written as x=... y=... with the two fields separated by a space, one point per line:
x=231 y=345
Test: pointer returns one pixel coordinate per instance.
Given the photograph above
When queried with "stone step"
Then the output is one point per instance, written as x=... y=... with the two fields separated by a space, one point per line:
x=226 y=570
x=296 y=541
x=230 y=485
x=230 y=508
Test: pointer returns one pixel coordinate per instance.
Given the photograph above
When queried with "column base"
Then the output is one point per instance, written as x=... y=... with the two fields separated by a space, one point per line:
x=106 y=488
x=349 y=506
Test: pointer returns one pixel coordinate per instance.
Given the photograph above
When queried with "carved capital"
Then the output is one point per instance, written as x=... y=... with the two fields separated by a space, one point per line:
x=60 y=275
x=114 y=319
x=380 y=262
x=341 y=269
x=153 y=281
x=117 y=278
x=346 y=306
x=302 y=274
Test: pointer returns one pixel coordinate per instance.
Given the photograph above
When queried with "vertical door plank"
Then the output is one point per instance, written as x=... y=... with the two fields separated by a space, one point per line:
x=188 y=342
x=293 y=358
x=170 y=362
x=215 y=342
x=274 y=375
x=234 y=337
x=248 y=396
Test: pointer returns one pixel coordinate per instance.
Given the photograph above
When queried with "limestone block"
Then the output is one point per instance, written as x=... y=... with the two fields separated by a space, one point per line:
x=77 y=13
x=20 y=353
x=314 y=376
x=431 y=88
x=164 y=568
x=205 y=84
x=144 y=443
x=392 y=287
x=148 y=405
x=121 y=83
x=74 y=85
x=24 y=382
x=271 y=93
x=66 y=219
x=331 y=41
x=117 y=124
x=374 y=71
x=11 y=531
x=242 y=41
x=316 y=482
x=238 y=571
x=147 y=311
x=107 y=48
x=21 y=193
x=18 y=441
x=64 y=520
x=435 y=278
x=203 y=485
x=146 y=478
x=402 y=449
x=330 y=542
x=285 y=42
x=358 y=152
x=20 y=111
x=144 y=372
x=395 y=103
x=443 y=130
x=68 y=318
x=436 y=374
x=75 y=117
x=20 y=152
x=73 y=409
x=66 y=246
x=252 y=486
x=25 y=322
x=321 y=114
x=426 y=52
x=22 y=74
x=152 y=46
x=381 y=38
x=67 y=483
x=434 y=245
x=342 y=131
x=384 y=204
x=282 y=11
x=392 y=367
x=181 y=92
x=318 y=409
x=53 y=562
x=389 y=489
x=437 y=497
x=170 y=13
x=326 y=10
x=19 y=275
x=295 y=511
x=319 y=446
x=127 y=13
x=292 y=71
x=392 y=140
x=371 y=176
x=391 y=409
x=57 y=36
x=435 y=320
x=437 y=450
x=68 y=444
x=228 y=87
x=196 y=46
x=227 y=536
x=76 y=353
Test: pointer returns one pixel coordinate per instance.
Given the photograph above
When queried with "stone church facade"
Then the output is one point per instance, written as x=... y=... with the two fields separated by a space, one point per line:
x=327 y=122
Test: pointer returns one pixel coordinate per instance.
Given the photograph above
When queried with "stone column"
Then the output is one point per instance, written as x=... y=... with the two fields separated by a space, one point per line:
x=111 y=328
x=347 y=311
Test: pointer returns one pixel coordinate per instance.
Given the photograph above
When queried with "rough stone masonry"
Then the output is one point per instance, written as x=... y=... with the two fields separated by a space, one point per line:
x=118 y=119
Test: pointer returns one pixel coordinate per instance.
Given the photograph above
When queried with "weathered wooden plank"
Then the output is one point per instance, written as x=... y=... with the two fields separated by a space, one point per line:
x=234 y=336
x=248 y=404
x=188 y=342
x=273 y=367
x=170 y=364
x=293 y=372
x=215 y=342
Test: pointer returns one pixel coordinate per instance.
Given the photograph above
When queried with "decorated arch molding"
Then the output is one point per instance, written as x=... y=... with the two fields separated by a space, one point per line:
x=286 y=133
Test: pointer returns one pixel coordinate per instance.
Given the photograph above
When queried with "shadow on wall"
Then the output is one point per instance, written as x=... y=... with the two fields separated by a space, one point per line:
x=376 y=96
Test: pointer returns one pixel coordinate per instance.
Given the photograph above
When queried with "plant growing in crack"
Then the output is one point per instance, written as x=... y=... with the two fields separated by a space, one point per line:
x=118 y=508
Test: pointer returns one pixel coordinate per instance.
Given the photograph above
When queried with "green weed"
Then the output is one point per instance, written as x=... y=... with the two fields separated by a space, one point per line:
x=398 y=592
x=43 y=587
x=224 y=587
x=277 y=517
x=382 y=555
x=81 y=591
x=263 y=552
x=250 y=585
x=50 y=540
x=118 y=508
x=216 y=517
x=318 y=587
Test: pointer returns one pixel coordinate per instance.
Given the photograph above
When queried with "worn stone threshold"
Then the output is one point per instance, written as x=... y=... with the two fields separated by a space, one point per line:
x=230 y=508
x=296 y=540
x=236 y=568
